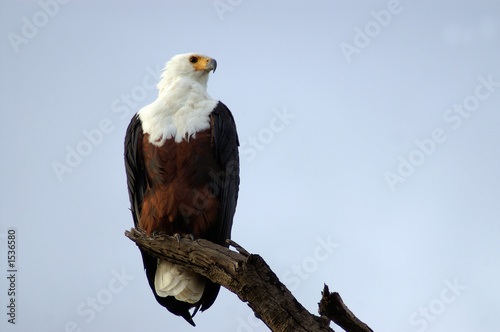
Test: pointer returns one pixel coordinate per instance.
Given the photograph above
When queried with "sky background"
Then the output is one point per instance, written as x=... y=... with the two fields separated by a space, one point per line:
x=369 y=155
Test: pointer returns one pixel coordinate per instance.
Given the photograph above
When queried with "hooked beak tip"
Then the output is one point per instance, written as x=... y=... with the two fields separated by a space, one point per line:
x=212 y=65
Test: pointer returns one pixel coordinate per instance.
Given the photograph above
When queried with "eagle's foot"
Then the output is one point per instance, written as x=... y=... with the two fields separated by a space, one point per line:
x=178 y=237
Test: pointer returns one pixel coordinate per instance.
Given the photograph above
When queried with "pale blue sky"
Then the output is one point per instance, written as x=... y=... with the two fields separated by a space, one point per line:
x=369 y=156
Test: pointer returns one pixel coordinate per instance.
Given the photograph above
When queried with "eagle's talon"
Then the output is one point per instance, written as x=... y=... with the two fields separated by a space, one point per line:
x=178 y=238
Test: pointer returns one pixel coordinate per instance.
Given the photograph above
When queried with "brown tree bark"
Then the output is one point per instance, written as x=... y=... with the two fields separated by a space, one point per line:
x=249 y=277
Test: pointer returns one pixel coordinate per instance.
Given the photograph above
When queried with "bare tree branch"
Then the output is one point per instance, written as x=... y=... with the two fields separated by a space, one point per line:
x=248 y=276
x=332 y=306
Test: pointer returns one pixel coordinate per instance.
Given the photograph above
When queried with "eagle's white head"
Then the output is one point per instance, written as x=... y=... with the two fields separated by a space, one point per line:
x=183 y=106
x=188 y=66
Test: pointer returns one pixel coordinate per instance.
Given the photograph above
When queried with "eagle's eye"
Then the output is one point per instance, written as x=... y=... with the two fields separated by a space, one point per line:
x=193 y=59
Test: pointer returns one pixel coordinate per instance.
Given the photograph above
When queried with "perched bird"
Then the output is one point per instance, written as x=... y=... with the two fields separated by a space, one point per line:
x=182 y=165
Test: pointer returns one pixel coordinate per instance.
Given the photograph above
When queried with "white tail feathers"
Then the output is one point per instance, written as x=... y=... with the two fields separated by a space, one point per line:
x=173 y=280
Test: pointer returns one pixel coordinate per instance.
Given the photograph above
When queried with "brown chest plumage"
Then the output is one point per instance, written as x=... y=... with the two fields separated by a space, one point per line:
x=181 y=177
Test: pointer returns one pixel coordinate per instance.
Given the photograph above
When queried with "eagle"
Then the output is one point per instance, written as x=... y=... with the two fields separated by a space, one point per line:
x=182 y=167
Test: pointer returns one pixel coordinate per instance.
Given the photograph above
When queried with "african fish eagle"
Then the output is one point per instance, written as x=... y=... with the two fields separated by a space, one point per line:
x=182 y=165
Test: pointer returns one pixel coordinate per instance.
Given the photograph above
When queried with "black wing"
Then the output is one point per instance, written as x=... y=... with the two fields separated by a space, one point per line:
x=137 y=181
x=225 y=147
x=225 y=185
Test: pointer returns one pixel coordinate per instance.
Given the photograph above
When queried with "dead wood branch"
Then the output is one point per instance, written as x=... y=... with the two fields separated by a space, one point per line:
x=249 y=277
